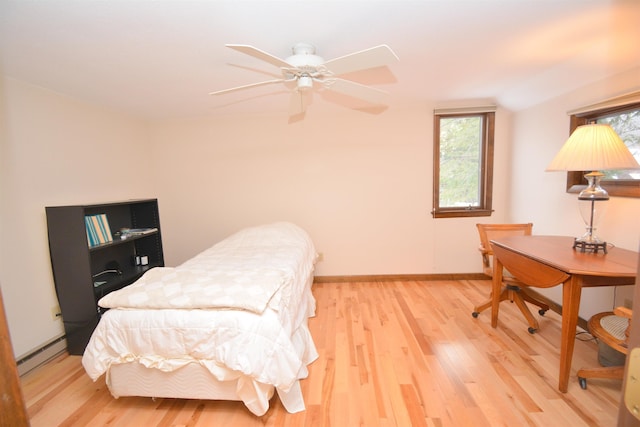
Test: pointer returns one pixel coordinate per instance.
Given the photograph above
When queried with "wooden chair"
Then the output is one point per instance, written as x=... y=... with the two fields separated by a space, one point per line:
x=612 y=329
x=513 y=290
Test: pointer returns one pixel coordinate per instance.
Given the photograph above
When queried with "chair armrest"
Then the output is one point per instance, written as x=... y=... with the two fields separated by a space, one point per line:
x=623 y=312
x=486 y=260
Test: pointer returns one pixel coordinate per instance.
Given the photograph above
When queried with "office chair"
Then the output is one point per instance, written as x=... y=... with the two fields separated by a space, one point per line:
x=612 y=329
x=514 y=290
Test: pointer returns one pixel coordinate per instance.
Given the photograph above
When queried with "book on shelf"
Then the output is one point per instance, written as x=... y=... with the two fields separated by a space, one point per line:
x=105 y=225
x=99 y=232
x=92 y=236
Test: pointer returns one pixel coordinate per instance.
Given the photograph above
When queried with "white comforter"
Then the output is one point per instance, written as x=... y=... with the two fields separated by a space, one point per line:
x=239 y=309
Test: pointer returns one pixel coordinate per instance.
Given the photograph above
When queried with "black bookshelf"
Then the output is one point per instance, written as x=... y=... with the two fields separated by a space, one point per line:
x=84 y=274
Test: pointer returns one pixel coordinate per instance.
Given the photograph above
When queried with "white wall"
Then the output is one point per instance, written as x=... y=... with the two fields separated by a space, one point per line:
x=54 y=151
x=540 y=196
x=360 y=184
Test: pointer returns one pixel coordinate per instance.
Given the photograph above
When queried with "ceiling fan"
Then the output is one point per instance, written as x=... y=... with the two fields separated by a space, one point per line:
x=304 y=71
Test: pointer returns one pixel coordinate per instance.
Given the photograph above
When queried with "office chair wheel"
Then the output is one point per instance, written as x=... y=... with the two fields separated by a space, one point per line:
x=541 y=312
x=583 y=383
x=475 y=314
x=532 y=330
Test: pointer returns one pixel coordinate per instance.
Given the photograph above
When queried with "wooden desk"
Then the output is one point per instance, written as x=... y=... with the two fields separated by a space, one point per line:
x=546 y=261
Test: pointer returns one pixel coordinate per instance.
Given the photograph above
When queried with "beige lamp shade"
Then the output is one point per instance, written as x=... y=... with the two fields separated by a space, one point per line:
x=593 y=147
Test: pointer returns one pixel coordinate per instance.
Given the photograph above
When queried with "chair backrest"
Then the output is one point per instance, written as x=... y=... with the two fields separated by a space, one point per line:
x=489 y=232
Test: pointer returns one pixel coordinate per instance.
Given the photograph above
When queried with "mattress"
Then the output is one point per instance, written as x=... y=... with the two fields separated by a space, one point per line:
x=165 y=328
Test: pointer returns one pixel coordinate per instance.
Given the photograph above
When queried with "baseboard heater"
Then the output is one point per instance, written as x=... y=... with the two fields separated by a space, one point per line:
x=41 y=355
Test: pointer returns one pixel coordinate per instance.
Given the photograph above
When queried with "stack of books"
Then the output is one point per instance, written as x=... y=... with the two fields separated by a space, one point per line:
x=98 y=231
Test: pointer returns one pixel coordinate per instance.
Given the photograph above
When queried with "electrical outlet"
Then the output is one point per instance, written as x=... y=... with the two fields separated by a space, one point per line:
x=56 y=314
x=320 y=257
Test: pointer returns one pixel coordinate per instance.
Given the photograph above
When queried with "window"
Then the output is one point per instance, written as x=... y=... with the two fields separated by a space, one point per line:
x=624 y=118
x=627 y=126
x=463 y=163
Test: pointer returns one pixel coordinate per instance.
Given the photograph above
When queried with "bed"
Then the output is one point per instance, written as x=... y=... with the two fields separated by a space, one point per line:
x=230 y=324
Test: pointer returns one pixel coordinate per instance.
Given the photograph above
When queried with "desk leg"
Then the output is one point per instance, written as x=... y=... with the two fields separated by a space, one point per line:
x=571 y=291
x=496 y=286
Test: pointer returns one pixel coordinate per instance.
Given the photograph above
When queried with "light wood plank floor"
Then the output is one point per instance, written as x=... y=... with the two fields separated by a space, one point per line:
x=391 y=354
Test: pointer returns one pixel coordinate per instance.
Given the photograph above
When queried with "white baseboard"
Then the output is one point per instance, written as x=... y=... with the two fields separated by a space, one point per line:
x=41 y=355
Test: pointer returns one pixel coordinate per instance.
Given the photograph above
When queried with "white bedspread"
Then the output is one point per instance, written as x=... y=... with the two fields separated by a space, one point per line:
x=243 y=271
x=260 y=336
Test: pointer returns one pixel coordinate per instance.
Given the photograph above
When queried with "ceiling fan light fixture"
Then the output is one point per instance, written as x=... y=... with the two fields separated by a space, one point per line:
x=305 y=83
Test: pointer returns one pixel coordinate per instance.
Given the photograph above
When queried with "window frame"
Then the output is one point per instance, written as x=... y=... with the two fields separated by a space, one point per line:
x=486 y=168
x=575 y=179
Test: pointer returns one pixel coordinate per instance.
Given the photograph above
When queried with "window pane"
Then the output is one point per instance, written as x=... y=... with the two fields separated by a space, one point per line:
x=627 y=125
x=460 y=161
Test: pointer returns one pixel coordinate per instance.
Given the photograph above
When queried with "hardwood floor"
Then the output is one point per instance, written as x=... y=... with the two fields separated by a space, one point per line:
x=403 y=353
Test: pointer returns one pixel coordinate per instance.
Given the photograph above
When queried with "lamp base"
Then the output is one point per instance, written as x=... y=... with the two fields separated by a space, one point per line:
x=589 y=246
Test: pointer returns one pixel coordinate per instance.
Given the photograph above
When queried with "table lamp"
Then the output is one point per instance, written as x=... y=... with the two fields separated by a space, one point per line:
x=593 y=147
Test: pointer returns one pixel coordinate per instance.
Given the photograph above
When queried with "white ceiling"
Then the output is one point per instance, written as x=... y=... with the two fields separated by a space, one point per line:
x=160 y=59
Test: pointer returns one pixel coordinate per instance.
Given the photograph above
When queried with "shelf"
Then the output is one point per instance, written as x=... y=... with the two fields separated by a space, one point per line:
x=119 y=241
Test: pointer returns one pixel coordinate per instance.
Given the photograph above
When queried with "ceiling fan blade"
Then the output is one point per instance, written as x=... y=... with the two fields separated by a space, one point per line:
x=233 y=89
x=369 y=58
x=260 y=54
x=356 y=90
x=298 y=102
